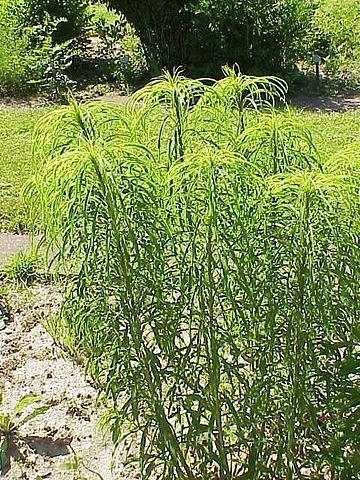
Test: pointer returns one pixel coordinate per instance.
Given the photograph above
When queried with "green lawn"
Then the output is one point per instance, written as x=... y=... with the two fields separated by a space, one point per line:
x=16 y=126
x=332 y=132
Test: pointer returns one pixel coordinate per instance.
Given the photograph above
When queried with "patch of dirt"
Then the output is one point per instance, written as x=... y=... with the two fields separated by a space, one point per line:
x=33 y=102
x=335 y=103
x=31 y=363
x=341 y=102
x=11 y=244
x=113 y=97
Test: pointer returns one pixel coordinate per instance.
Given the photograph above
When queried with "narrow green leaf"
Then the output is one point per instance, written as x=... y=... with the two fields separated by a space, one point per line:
x=25 y=401
x=35 y=413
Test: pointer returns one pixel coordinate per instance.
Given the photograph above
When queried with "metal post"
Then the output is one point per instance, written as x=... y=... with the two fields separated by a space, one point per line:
x=316 y=60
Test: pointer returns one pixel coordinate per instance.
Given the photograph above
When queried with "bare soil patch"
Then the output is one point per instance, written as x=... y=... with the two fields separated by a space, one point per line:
x=31 y=363
x=25 y=102
x=11 y=244
x=335 y=103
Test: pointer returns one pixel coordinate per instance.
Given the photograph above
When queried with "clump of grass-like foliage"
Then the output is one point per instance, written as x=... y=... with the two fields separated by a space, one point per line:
x=22 y=268
x=214 y=277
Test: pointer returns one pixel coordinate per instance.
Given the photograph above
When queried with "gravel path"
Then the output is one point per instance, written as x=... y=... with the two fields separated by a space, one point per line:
x=31 y=363
x=11 y=244
x=326 y=104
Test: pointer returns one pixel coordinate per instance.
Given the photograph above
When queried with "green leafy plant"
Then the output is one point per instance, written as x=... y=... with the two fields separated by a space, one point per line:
x=203 y=35
x=110 y=33
x=99 y=11
x=22 y=268
x=125 y=59
x=76 y=465
x=11 y=423
x=70 y=16
x=55 y=78
x=38 y=42
x=213 y=277
x=15 y=59
x=337 y=39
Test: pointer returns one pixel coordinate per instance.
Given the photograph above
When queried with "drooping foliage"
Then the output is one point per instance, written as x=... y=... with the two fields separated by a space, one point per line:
x=202 y=35
x=213 y=285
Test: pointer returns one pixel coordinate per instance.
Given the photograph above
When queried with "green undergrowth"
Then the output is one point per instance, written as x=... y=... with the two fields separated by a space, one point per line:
x=336 y=37
x=16 y=125
x=22 y=269
x=213 y=263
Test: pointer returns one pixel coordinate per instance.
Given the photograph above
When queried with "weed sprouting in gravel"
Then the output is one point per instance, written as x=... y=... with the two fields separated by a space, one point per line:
x=22 y=268
x=11 y=423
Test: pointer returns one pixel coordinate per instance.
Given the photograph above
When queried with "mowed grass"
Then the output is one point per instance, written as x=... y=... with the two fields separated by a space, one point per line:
x=16 y=126
x=332 y=132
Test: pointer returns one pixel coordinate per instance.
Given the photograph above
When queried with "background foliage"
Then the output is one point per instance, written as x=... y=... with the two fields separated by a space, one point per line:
x=37 y=43
x=73 y=16
x=337 y=38
x=18 y=62
x=204 y=35
x=50 y=45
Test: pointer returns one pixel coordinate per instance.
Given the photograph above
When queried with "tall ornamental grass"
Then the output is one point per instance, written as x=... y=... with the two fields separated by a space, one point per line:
x=213 y=284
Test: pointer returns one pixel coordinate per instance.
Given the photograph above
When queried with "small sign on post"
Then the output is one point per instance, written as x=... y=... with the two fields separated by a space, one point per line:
x=316 y=60
x=124 y=59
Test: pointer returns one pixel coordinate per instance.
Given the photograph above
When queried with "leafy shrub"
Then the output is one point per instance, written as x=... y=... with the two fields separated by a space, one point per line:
x=213 y=261
x=260 y=36
x=129 y=65
x=100 y=12
x=71 y=16
x=122 y=49
x=16 y=61
x=110 y=33
x=37 y=44
x=337 y=38
x=55 y=78
x=202 y=35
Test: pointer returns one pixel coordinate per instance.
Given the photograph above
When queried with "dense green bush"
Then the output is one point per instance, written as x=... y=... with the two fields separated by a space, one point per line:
x=260 y=36
x=337 y=38
x=17 y=63
x=37 y=42
x=214 y=272
x=203 y=35
x=118 y=42
x=72 y=16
